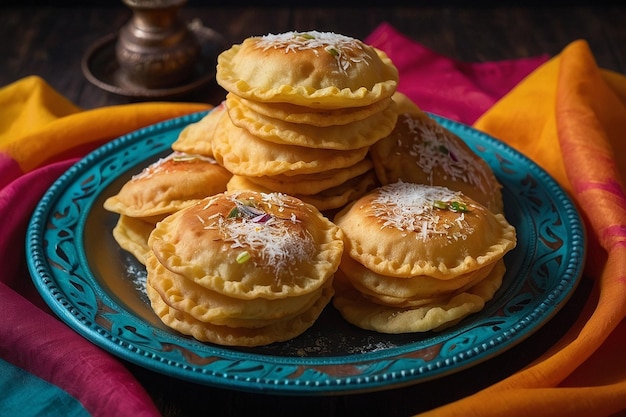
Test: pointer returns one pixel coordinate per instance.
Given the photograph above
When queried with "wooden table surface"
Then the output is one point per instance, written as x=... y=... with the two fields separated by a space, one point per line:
x=51 y=41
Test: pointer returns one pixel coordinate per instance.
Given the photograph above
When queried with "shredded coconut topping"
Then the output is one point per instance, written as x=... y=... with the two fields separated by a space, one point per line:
x=273 y=241
x=346 y=50
x=413 y=208
x=437 y=150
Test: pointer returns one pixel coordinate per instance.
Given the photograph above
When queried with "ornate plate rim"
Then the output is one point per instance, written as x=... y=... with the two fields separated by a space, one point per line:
x=375 y=370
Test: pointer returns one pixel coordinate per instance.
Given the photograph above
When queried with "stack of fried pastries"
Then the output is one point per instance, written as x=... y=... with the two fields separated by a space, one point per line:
x=301 y=113
x=243 y=268
x=230 y=225
x=436 y=258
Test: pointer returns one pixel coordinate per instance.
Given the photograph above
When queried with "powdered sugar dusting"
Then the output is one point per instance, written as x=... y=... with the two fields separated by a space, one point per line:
x=346 y=50
x=414 y=208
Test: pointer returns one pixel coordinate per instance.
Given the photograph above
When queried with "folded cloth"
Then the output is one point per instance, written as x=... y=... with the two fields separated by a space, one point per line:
x=565 y=113
x=461 y=91
x=570 y=117
x=41 y=135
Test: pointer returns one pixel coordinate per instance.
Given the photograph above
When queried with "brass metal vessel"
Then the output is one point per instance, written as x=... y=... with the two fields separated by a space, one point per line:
x=155 y=49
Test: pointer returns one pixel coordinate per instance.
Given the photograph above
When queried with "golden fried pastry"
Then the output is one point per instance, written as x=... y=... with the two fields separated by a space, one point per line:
x=422 y=151
x=406 y=229
x=436 y=315
x=245 y=154
x=244 y=268
x=277 y=331
x=248 y=245
x=168 y=185
x=309 y=184
x=313 y=69
x=353 y=135
x=329 y=199
x=406 y=105
x=409 y=291
x=132 y=235
x=339 y=196
x=213 y=307
x=195 y=138
x=315 y=117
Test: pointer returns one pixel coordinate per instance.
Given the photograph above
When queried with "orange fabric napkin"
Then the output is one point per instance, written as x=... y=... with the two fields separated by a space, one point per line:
x=569 y=116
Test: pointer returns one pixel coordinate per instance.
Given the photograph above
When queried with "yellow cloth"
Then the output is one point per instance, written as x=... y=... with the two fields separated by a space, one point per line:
x=37 y=124
x=569 y=116
x=29 y=104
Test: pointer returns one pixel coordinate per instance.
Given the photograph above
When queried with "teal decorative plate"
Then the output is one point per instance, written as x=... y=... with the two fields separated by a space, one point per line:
x=95 y=287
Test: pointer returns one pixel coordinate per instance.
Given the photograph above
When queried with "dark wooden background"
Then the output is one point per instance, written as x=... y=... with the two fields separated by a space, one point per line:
x=49 y=39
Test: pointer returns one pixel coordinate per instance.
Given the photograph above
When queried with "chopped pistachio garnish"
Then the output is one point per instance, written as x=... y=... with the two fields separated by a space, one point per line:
x=243 y=257
x=233 y=213
x=451 y=205
x=331 y=50
x=457 y=206
x=304 y=35
x=183 y=158
x=246 y=209
x=440 y=204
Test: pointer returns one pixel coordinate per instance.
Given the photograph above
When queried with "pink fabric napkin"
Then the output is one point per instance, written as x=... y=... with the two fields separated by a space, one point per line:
x=33 y=339
x=461 y=91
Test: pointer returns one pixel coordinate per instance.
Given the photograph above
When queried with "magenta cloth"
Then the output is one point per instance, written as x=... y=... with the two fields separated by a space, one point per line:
x=34 y=339
x=457 y=90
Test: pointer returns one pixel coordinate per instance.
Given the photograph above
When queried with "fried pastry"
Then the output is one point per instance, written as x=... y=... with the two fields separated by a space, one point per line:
x=245 y=154
x=243 y=268
x=409 y=291
x=277 y=331
x=435 y=315
x=422 y=151
x=213 y=307
x=328 y=199
x=406 y=105
x=309 y=184
x=423 y=230
x=311 y=116
x=248 y=245
x=314 y=69
x=354 y=135
x=195 y=138
x=168 y=185
x=132 y=235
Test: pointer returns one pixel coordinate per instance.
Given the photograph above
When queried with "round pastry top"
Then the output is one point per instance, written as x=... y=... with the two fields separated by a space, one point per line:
x=422 y=151
x=423 y=230
x=169 y=184
x=314 y=69
x=248 y=244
